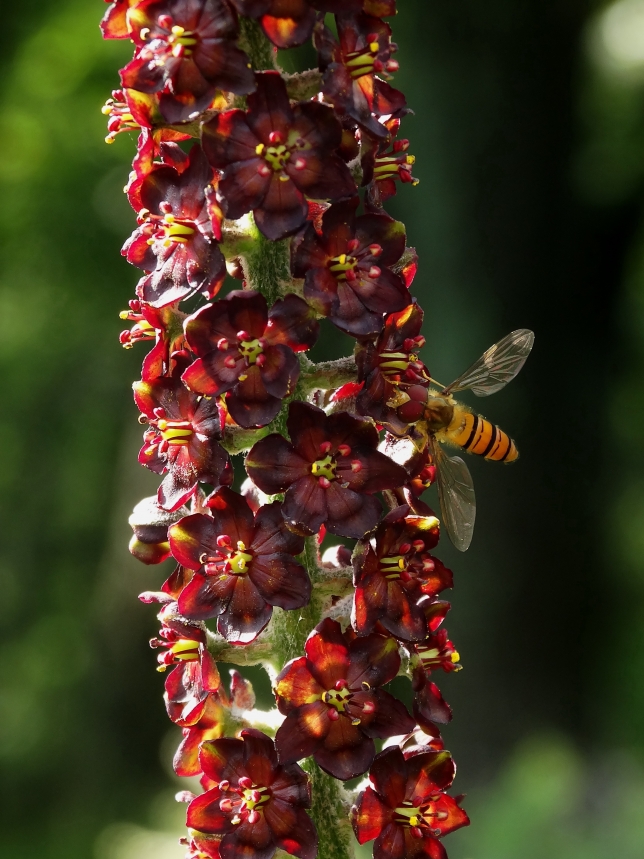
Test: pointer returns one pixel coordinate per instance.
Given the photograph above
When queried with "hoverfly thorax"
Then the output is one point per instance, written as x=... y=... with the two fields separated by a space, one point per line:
x=438 y=413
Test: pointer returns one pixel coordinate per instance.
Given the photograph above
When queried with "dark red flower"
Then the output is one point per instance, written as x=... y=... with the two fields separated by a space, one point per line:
x=180 y=641
x=274 y=157
x=347 y=268
x=332 y=704
x=257 y=804
x=329 y=471
x=115 y=23
x=383 y=165
x=185 y=52
x=201 y=847
x=351 y=63
x=181 y=441
x=208 y=720
x=244 y=565
x=378 y=8
x=394 y=574
x=430 y=708
x=164 y=325
x=406 y=810
x=437 y=651
x=290 y=22
x=390 y=365
x=175 y=240
x=286 y=24
x=247 y=350
x=412 y=452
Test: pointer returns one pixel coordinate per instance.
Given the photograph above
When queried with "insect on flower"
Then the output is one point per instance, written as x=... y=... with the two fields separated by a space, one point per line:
x=439 y=419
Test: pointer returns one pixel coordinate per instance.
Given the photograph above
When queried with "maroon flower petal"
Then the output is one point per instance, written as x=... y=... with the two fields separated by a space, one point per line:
x=296 y=686
x=306 y=427
x=426 y=772
x=260 y=757
x=290 y=29
x=281 y=581
x=232 y=515
x=269 y=108
x=273 y=465
x=249 y=841
x=302 y=840
x=370 y=815
x=350 y=514
x=246 y=615
x=346 y=751
x=305 y=505
x=283 y=210
x=389 y=777
x=374 y=660
x=327 y=652
x=291 y=784
x=204 y=813
x=389 y=719
x=280 y=371
x=302 y=732
x=190 y=537
x=271 y=535
x=292 y=323
x=223 y=759
x=250 y=404
x=390 y=844
x=206 y=596
x=378 y=471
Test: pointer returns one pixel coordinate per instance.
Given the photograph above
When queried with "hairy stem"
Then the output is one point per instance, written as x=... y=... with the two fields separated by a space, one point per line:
x=266 y=267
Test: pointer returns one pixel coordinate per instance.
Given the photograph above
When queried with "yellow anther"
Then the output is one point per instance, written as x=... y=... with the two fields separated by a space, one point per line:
x=374 y=46
x=456 y=656
x=259 y=149
x=177 y=30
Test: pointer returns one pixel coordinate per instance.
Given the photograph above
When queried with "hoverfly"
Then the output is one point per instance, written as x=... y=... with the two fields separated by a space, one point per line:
x=439 y=420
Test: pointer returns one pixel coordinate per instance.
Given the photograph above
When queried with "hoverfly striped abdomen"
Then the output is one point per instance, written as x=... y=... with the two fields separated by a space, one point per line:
x=477 y=435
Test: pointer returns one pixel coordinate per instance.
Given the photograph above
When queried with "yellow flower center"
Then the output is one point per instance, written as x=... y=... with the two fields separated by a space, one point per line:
x=338 y=698
x=239 y=562
x=251 y=350
x=324 y=468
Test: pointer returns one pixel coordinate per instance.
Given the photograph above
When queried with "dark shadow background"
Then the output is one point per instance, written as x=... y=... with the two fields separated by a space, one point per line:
x=529 y=137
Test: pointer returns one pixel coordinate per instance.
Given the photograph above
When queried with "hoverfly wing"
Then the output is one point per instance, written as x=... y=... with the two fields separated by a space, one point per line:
x=456 y=495
x=497 y=366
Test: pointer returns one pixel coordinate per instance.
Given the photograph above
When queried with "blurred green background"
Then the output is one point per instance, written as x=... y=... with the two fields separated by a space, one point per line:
x=529 y=135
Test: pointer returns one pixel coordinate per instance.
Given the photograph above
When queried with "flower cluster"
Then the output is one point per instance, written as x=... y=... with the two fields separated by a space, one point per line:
x=283 y=189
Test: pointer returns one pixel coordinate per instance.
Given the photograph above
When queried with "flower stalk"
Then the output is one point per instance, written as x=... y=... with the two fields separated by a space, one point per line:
x=320 y=567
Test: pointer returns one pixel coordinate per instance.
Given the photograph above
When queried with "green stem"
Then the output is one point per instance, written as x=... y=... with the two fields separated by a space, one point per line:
x=253 y=41
x=289 y=630
x=266 y=268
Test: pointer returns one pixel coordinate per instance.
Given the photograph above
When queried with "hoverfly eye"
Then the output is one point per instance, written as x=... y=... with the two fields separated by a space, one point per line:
x=418 y=394
x=411 y=411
